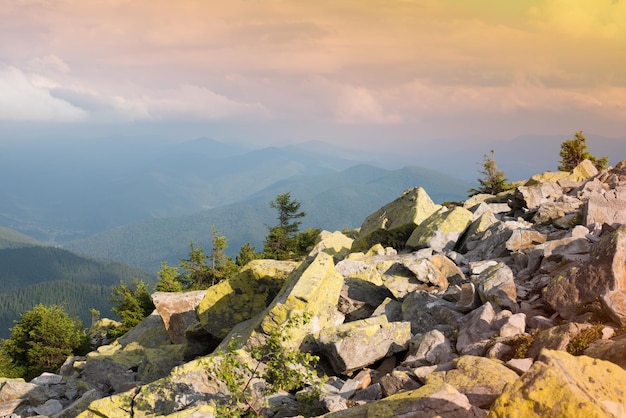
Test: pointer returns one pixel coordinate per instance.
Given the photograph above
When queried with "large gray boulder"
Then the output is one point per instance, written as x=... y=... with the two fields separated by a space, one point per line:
x=392 y=224
x=178 y=311
x=603 y=278
x=441 y=230
x=357 y=344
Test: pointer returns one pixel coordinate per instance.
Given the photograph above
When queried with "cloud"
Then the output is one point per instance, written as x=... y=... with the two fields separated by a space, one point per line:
x=358 y=105
x=24 y=100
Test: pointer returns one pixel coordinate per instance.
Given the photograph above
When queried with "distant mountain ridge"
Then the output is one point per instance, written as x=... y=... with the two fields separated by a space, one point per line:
x=71 y=190
x=31 y=274
x=332 y=201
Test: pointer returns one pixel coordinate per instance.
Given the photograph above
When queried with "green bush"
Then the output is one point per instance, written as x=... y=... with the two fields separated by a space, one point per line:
x=42 y=339
x=285 y=369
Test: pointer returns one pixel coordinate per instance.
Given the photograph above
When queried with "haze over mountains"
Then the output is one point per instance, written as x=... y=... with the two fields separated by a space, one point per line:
x=142 y=200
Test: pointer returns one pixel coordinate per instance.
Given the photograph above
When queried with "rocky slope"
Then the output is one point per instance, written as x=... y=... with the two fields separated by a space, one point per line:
x=511 y=305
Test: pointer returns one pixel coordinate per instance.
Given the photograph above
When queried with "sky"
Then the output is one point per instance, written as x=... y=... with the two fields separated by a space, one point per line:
x=372 y=73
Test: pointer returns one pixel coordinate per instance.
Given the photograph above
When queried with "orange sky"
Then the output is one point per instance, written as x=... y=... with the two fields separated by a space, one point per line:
x=429 y=68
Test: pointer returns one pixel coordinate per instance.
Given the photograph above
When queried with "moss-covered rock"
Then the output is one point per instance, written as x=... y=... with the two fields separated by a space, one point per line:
x=392 y=224
x=429 y=401
x=313 y=289
x=561 y=385
x=441 y=230
x=335 y=244
x=242 y=296
x=480 y=379
x=357 y=344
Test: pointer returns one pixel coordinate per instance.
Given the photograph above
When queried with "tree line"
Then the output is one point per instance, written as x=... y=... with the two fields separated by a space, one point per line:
x=43 y=337
x=573 y=152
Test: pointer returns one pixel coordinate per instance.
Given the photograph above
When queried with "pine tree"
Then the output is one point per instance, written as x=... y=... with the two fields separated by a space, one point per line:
x=280 y=242
x=574 y=151
x=493 y=181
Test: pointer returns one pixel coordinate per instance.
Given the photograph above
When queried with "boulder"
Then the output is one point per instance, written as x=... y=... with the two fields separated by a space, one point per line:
x=392 y=224
x=178 y=311
x=426 y=272
x=359 y=269
x=426 y=312
x=606 y=207
x=354 y=345
x=441 y=230
x=242 y=296
x=555 y=338
x=489 y=244
x=531 y=197
x=522 y=239
x=429 y=401
x=476 y=326
x=431 y=348
x=359 y=298
x=495 y=284
x=335 y=244
x=561 y=385
x=613 y=350
x=313 y=288
x=480 y=379
x=603 y=278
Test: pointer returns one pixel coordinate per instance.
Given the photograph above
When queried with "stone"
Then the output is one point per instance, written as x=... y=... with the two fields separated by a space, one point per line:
x=496 y=284
x=561 y=385
x=50 y=407
x=606 y=208
x=531 y=197
x=489 y=244
x=480 y=379
x=397 y=381
x=448 y=268
x=313 y=288
x=476 y=326
x=359 y=269
x=14 y=389
x=479 y=225
x=242 y=296
x=80 y=404
x=392 y=224
x=427 y=272
x=583 y=171
x=47 y=379
x=426 y=312
x=369 y=394
x=354 y=345
x=391 y=309
x=555 y=338
x=514 y=325
x=430 y=348
x=429 y=401
x=9 y=408
x=441 y=230
x=469 y=299
x=613 y=350
x=548 y=176
x=335 y=244
x=178 y=311
x=520 y=365
x=359 y=299
x=552 y=211
x=149 y=333
x=524 y=238
x=603 y=278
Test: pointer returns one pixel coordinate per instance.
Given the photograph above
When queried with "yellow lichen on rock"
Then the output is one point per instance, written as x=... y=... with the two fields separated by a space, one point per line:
x=562 y=385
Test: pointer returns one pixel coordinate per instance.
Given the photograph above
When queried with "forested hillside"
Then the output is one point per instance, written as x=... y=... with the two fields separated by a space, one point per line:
x=332 y=201
x=48 y=275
